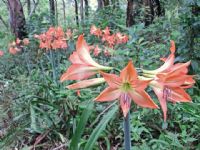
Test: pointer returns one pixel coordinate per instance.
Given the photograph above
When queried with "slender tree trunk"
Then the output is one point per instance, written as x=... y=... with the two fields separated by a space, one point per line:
x=56 y=12
x=35 y=4
x=86 y=8
x=158 y=8
x=76 y=12
x=81 y=11
x=17 y=19
x=29 y=6
x=64 y=12
x=100 y=4
x=52 y=11
x=130 y=13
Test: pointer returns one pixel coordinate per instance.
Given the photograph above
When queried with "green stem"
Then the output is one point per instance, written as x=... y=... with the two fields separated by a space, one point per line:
x=52 y=60
x=127 y=136
x=26 y=57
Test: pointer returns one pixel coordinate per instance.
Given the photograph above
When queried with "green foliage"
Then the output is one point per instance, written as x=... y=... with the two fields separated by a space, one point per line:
x=32 y=104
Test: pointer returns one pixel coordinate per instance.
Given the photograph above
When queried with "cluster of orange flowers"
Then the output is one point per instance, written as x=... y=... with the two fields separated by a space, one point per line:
x=168 y=81
x=54 y=38
x=16 y=46
x=110 y=40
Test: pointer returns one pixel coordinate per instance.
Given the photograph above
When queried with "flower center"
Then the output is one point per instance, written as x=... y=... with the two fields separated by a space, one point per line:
x=166 y=93
x=126 y=86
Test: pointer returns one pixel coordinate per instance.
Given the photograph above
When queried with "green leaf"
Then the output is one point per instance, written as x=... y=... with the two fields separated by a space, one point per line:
x=81 y=126
x=33 y=118
x=100 y=127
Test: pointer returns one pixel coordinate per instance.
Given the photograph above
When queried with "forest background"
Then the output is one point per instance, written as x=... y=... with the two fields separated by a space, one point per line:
x=38 y=112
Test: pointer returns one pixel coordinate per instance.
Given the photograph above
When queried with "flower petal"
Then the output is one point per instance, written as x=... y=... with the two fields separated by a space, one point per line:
x=140 y=85
x=112 y=79
x=86 y=83
x=162 y=100
x=74 y=59
x=125 y=102
x=83 y=52
x=108 y=94
x=173 y=47
x=128 y=74
x=179 y=95
x=78 y=72
x=142 y=99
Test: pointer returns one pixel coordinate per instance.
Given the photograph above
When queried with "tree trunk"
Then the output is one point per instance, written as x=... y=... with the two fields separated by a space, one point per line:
x=52 y=11
x=76 y=12
x=56 y=12
x=29 y=6
x=86 y=8
x=64 y=12
x=158 y=8
x=100 y=4
x=35 y=4
x=130 y=12
x=81 y=11
x=17 y=19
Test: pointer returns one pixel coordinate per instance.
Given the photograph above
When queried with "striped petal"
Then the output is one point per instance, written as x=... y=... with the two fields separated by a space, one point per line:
x=112 y=79
x=83 y=52
x=162 y=101
x=109 y=94
x=128 y=74
x=142 y=99
x=78 y=72
x=86 y=83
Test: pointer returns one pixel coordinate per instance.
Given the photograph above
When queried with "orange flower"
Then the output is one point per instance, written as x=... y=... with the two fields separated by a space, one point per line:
x=170 y=86
x=83 y=66
x=170 y=80
x=26 y=41
x=97 y=50
x=106 y=52
x=54 y=38
x=1 y=53
x=106 y=31
x=14 y=50
x=95 y=31
x=126 y=87
x=78 y=92
x=18 y=41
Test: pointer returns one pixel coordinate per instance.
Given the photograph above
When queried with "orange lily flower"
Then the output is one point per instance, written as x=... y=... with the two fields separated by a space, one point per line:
x=83 y=66
x=169 y=86
x=96 y=51
x=126 y=87
x=170 y=80
x=106 y=31
x=95 y=31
